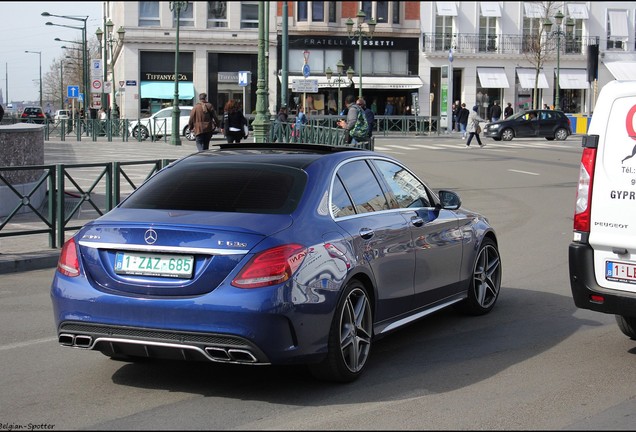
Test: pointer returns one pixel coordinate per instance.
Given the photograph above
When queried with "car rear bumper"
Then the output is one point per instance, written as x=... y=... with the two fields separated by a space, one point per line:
x=584 y=286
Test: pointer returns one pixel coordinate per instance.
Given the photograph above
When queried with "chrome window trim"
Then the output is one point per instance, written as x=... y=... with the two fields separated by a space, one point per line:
x=171 y=249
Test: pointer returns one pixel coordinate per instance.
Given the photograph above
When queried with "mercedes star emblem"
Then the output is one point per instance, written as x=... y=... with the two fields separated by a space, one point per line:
x=150 y=236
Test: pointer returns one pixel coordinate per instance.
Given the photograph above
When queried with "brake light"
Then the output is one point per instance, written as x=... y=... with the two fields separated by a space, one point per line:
x=583 y=206
x=271 y=267
x=68 y=264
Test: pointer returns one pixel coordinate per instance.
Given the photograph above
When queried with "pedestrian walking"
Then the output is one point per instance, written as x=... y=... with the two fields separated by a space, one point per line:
x=233 y=122
x=456 y=108
x=473 y=128
x=462 y=119
x=368 y=113
x=508 y=111
x=203 y=122
x=301 y=121
x=1 y=112
x=352 y=117
x=495 y=112
x=280 y=125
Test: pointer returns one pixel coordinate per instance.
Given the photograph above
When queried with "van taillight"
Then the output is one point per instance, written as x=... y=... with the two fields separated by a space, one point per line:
x=68 y=264
x=583 y=209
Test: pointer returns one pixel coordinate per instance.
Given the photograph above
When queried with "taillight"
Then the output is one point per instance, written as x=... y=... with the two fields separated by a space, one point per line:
x=68 y=264
x=583 y=206
x=271 y=267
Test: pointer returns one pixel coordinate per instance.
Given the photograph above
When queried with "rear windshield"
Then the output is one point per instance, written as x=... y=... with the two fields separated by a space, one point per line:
x=222 y=187
x=32 y=110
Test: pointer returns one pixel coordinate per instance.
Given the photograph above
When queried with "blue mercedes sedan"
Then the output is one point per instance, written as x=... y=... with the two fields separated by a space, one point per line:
x=264 y=254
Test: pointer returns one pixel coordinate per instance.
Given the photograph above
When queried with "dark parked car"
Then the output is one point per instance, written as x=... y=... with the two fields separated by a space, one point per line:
x=33 y=114
x=548 y=124
x=262 y=254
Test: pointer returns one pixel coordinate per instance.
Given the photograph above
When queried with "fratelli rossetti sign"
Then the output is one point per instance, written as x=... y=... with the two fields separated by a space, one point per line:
x=340 y=41
x=162 y=76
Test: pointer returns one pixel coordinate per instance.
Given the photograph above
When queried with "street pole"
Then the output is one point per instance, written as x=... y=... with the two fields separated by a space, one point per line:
x=449 y=123
x=547 y=25
x=175 y=138
x=361 y=35
x=39 y=53
x=285 y=56
x=261 y=122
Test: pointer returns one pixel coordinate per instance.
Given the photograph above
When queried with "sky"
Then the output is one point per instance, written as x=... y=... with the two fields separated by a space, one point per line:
x=22 y=28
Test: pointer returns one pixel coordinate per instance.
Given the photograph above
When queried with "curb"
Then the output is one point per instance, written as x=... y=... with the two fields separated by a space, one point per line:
x=11 y=263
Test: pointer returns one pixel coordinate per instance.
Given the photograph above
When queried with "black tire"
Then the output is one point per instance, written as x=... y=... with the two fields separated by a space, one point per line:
x=190 y=136
x=561 y=134
x=350 y=337
x=140 y=130
x=485 y=281
x=496 y=138
x=627 y=325
x=507 y=134
x=550 y=138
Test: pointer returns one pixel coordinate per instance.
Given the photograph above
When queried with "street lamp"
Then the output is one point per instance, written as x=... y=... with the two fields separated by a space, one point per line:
x=84 y=56
x=176 y=7
x=339 y=82
x=547 y=26
x=40 y=54
x=360 y=34
x=109 y=41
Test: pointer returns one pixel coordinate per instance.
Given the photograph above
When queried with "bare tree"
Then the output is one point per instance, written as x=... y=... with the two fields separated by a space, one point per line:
x=539 y=46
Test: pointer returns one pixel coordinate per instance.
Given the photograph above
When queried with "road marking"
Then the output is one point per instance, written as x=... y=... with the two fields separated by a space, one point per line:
x=26 y=343
x=524 y=172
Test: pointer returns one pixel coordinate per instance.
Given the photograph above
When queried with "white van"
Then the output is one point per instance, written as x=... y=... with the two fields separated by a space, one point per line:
x=602 y=255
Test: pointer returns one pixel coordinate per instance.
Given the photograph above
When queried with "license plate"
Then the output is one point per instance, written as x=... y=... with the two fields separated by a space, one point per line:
x=620 y=272
x=146 y=264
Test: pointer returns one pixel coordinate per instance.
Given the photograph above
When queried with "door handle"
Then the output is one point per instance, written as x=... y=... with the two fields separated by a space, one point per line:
x=366 y=233
x=417 y=221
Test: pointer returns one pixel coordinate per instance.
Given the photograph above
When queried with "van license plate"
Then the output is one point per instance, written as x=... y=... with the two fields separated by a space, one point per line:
x=620 y=272
x=145 y=264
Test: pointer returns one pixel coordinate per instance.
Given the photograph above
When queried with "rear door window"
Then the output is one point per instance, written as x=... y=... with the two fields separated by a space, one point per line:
x=362 y=187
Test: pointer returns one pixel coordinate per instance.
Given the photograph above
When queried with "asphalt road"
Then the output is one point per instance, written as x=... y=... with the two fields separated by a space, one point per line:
x=535 y=362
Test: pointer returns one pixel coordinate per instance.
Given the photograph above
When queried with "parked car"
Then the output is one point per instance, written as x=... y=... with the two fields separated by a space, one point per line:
x=32 y=114
x=548 y=124
x=160 y=124
x=272 y=254
x=602 y=254
x=62 y=114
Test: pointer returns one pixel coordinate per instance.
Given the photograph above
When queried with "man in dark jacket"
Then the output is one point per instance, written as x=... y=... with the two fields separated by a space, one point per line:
x=462 y=119
x=495 y=112
x=203 y=122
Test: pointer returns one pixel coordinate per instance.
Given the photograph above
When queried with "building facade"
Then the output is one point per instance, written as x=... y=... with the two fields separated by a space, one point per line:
x=421 y=57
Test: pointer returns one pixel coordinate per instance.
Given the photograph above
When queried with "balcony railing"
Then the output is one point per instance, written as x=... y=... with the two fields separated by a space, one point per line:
x=466 y=43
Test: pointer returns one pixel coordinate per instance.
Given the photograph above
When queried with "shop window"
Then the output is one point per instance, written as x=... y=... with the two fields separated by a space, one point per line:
x=217 y=14
x=149 y=13
x=383 y=62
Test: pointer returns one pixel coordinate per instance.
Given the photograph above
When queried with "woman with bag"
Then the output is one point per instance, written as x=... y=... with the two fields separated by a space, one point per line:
x=473 y=127
x=234 y=123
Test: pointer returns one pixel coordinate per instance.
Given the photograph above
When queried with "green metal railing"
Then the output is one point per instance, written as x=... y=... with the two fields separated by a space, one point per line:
x=65 y=196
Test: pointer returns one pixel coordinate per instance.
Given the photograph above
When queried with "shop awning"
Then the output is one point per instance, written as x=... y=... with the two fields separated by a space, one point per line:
x=573 y=79
x=618 y=23
x=446 y=8
x=492 y=77
x=527 y=77
x=411 y=82
x=165 y=89
x=622 y=70
x=490 y=9
x=578 y=10
x=533 y=10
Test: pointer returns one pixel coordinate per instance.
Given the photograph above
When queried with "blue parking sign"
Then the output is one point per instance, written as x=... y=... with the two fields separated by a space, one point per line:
x=72 y=92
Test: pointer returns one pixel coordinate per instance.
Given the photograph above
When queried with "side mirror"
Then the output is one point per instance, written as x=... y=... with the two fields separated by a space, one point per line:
x=449 y=200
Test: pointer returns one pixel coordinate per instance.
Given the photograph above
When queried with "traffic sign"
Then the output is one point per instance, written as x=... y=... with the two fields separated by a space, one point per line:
x=72 y=92
x=108 y=86
x=305 y=86
x=96 y=68
x=96 y=85
x=306 y=70
x=244 y=78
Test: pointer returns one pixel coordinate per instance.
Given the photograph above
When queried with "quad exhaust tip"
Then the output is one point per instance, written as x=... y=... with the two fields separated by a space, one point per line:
x=76 y=341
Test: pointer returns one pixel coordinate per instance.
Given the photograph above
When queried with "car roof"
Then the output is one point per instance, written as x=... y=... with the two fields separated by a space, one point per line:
x=296 y=155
